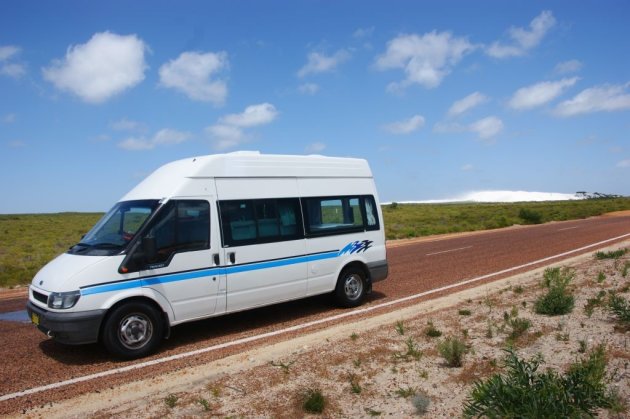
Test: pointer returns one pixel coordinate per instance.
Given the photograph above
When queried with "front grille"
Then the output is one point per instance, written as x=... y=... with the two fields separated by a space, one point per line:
x=40 y=297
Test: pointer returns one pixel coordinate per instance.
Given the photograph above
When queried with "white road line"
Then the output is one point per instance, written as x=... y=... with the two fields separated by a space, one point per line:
x=292 y=328
x=448 y=251
x=568 y=228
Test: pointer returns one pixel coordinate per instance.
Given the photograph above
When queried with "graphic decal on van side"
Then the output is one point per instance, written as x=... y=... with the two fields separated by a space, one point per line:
x=356 y=247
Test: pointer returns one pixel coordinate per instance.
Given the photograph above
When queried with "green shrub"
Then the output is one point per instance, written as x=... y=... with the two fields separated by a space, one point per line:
x=464 y=312
x=530 y=216
x=313 y=401
x=431 y=331
x=519 y=326
x=452 y=350
x=620 y=308
x=171 y=400
x=558 y=299
x=613 y=254
x=524 y=392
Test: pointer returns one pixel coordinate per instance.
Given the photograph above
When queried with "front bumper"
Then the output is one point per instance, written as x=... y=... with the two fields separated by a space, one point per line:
x=70 y=328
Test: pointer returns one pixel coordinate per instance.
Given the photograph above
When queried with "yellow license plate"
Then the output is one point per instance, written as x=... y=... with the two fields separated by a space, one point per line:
x=35 y=319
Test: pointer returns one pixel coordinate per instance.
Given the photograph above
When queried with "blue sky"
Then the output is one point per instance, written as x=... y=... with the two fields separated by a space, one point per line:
x=443 y=98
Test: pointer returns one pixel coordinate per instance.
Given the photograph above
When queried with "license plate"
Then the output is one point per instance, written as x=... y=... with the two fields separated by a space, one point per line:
x=35 y=319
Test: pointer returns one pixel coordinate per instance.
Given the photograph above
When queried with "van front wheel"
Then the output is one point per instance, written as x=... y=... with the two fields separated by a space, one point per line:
x=351 y=286
x=133 y=330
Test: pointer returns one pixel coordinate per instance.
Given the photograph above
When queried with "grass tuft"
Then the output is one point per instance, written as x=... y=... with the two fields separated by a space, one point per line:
x=313 y=401
x=452 y=349
x=558 y=299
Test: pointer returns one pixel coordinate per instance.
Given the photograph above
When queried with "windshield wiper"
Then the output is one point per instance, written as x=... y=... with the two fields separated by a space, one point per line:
x=107 y=245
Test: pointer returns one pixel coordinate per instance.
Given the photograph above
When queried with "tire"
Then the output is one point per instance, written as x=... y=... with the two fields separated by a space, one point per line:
x=351 y=287
x=133 y=330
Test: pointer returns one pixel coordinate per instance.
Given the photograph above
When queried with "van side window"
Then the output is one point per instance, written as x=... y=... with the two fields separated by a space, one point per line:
x=246 y=222
x=334 y=215
x=181 y=226
x=371 y=214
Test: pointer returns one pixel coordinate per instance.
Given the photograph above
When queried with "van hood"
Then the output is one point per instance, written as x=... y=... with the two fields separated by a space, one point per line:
x=59 y=274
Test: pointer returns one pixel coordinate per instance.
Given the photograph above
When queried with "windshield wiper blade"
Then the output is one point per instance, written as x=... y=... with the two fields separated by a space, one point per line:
x=106 y=245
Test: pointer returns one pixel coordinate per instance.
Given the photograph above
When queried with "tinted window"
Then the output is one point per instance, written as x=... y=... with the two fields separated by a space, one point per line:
x=181 y=226
x=340 y=214
x=260 y=221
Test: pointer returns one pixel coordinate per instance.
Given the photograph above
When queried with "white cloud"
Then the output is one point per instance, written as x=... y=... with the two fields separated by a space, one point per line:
x=16 y=144
x=624 y=163
x=540 y=93
x=425 y=59
x=467 y=103
x=315 y=148
x=103 y=67
x=164 y=136
x=501 y=196
x=229 y=132
x=467 y=168
x=9 y=118
x=571 y=66
x=487 y=128
x=522 y=40
x=606 y=98
x=308 y=88
x=363 y=32
x=192 y=73
x=321 y=63
x=8 y=51
x=8 y=68
x=406 y=126
x=125 y=124
x=253 y=115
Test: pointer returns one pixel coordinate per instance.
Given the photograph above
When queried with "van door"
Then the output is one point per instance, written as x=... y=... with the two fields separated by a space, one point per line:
x=263 y=241
x=186 y=264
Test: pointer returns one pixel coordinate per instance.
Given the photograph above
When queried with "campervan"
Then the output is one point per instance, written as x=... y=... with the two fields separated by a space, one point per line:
x=212 y=235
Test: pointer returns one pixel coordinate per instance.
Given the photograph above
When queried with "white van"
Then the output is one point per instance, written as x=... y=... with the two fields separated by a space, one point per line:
x=211 y=235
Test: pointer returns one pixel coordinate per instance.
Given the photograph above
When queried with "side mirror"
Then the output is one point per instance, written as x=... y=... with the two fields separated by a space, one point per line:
x=149 y=249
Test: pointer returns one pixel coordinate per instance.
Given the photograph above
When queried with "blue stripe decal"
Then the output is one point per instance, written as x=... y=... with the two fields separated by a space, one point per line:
x=164 y=279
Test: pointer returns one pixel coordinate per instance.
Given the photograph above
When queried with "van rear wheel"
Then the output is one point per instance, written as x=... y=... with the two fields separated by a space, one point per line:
x=351 y=287
x=133 y=330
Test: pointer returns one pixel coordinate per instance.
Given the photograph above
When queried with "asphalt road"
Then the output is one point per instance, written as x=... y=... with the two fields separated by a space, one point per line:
x=30 y=360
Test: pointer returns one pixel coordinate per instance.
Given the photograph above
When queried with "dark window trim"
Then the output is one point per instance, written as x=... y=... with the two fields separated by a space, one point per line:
x=340 y=231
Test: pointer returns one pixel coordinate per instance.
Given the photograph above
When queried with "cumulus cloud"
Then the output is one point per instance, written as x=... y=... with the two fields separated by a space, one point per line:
x=406 y=126
x=467 y=103
x=315 y=148
x=125 y=124
x=229 y=131
x=308 y=88
x=606 y=98
x=363 y=32
x=425 y=59
x=103 y=67
x=164 y=136
x=253 y=115
x=321 y=63
x=487 y=128
x=7 y=66
x=193 y=73
x=521 y=39
x=540 y=93
x=566 y=67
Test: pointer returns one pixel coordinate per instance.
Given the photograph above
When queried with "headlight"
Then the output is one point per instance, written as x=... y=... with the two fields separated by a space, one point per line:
x=60 y=300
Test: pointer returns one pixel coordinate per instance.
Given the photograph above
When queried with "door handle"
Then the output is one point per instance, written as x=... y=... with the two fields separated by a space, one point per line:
x=215 y=258
x=232 y=257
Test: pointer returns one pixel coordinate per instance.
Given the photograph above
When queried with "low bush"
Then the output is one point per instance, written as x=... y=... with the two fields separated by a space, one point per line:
x=452 y=350
x=431 y=331
x=524 y=392
x=530 y=216
x=613 y=254
x=313 y=401
x=558 y=299
x=620 y=308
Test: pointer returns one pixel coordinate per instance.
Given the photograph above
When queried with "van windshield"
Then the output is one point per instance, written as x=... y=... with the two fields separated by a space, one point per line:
x=116 y=229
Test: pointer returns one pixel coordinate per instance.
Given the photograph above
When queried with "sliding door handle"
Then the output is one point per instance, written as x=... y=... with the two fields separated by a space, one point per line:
x=232 y=257
x=216 y=260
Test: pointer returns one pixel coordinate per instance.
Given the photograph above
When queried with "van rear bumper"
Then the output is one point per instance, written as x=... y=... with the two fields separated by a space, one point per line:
x=68 y=328
x=378 y=270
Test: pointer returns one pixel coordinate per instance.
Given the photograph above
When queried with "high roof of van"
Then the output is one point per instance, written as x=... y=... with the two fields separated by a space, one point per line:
x=171 y=176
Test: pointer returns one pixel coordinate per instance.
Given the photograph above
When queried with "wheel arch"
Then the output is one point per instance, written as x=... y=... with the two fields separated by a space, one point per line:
x=138 y=299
